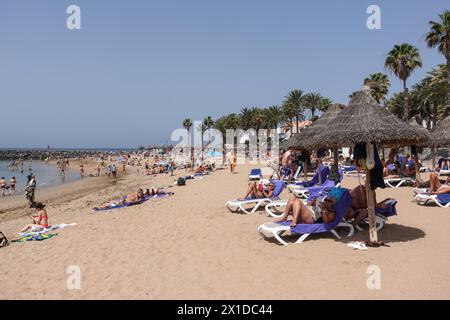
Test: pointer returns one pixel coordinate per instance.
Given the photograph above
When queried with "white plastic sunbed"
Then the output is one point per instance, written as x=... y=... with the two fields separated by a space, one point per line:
x=242 y=205
x=398 y=182
x=424 y=198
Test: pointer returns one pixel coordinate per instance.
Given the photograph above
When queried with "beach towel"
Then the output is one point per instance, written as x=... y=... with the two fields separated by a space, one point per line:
x=443 y=198
x=146 y=198
x=389 y=210
x=35 y=237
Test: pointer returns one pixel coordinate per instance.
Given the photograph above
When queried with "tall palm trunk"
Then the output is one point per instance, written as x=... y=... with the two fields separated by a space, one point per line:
x=448 y=83
x=296 y=122
x=406 y=108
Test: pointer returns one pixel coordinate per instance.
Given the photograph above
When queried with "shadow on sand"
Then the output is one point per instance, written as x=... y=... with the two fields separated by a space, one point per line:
x=391 y=233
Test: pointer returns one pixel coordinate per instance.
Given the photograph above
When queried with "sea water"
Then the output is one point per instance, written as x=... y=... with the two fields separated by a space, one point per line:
x=46 y=175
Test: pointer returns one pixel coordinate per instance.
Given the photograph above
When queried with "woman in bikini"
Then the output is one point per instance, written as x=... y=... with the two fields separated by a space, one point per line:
x=315 y=212
x=40 y=221
x=256 y=190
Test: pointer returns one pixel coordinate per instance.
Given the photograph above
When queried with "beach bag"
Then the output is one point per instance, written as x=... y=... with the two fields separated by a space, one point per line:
x=3 y=240
x=181 y=181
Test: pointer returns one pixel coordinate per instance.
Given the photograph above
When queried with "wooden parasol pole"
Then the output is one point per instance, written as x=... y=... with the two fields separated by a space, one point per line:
x=336 y=157
x=371 y=209
x=433 y=158
x=319 y=164
x=305 y=173
x=371 y=205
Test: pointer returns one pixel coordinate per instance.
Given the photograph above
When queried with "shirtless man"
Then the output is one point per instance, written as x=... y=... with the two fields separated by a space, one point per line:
x=358 y=211
x=286 y=162
x=3 y=186
x=435 y=186
x=40 y=221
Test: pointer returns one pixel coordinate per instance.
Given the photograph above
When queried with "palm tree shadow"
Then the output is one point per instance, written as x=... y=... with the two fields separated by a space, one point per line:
x=390 y=233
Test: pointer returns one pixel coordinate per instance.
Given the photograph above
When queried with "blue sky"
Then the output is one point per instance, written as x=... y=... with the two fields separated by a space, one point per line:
x=136 y=69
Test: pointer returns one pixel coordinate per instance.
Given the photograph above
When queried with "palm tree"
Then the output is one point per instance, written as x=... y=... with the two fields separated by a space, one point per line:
x=324 y=104
x=402 y=60
x=379 y=84
x=294 y=103
x=439 y=36
x=187 y=124
x=207 y=124
x=312 y=101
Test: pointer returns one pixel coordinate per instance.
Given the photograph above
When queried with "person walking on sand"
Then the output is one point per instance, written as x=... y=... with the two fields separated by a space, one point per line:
x=98 y=170
x=29 y=191
x=233 y=161
x=114 y=170
x=3 y=186
x=81 y=170
x=12 y=186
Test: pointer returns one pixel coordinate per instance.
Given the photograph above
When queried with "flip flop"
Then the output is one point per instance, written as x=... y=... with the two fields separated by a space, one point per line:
x=376 y=244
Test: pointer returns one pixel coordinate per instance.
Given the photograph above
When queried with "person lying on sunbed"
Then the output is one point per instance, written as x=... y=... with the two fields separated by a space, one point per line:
x=257 y=190
x=434 y=185
x=40 y=221
x=315 y=212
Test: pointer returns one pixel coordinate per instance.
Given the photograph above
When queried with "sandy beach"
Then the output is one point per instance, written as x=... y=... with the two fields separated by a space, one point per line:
x=189 y=246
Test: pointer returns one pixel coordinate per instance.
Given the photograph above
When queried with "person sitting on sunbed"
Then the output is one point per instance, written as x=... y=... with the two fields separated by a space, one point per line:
x=358 y=210
x=315 y=212
x=434 y=185
x=40 y=221
x=444 y=164
x=256 y=190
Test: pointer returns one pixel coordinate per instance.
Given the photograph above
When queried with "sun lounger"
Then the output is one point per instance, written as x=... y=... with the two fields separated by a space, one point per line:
x=278 y=228
x=305 y=192
x=442 y=200
x=424 y=169
x=382 y=214
x=398 y=182
x=324 y=171
x=255 y=174
x=274 y=208
x=255 y=203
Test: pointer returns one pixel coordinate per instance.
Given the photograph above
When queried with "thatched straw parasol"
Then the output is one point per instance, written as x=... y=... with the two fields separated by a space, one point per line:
x=320 y=125
x=363 y=120
x=440 y=135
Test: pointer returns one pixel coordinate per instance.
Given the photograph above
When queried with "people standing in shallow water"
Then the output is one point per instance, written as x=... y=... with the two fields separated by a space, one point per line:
x=3 y=186
x=12 y=186
x=81 y=170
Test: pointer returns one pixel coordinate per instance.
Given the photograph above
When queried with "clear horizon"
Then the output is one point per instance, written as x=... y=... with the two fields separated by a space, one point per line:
x=135 y=70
